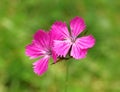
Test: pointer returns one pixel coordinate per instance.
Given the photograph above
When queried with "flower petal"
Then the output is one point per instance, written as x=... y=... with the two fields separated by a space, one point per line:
x=86 y=42
x=77 y=26
x=53 y=36
x=42 y=38
x=60 y=29
x=33 y=50
x=41 y=66
x=61 y=47
x=54 y=56
x=77 y=52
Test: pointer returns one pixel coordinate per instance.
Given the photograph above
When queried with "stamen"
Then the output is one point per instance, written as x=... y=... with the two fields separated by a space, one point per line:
x=73 y=39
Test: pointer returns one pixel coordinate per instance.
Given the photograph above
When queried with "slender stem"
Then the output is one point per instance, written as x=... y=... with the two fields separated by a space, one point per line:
x=67 y=76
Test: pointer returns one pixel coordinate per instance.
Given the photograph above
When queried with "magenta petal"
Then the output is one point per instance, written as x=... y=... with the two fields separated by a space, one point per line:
x=77 y=52
x=61 y=47
x=41 y=66
x=53 y=36
x=77 y=25
x=60 y=29
x=86 y=42
x=42 y=38
x=54 y=56
x=33 y=50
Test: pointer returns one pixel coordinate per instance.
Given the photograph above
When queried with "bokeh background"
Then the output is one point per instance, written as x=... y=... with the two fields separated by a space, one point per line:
x=98 y=72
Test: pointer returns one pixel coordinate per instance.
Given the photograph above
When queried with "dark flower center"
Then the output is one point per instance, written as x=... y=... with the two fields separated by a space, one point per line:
x=73 y=39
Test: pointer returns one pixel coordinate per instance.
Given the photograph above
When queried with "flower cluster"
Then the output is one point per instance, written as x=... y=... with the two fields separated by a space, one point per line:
x=59 y=43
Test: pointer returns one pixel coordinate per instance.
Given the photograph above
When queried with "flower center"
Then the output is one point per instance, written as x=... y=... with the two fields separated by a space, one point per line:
x=72 y=39
x=47 y=52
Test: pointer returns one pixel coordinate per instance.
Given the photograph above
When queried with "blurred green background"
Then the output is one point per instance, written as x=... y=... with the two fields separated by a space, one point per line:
x=98 y=72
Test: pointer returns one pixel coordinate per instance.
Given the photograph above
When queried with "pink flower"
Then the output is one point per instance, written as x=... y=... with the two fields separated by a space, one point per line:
x=41 y=46
x=70 y=43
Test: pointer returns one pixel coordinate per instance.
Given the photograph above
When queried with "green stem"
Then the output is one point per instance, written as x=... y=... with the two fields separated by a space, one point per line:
x=67 y=76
